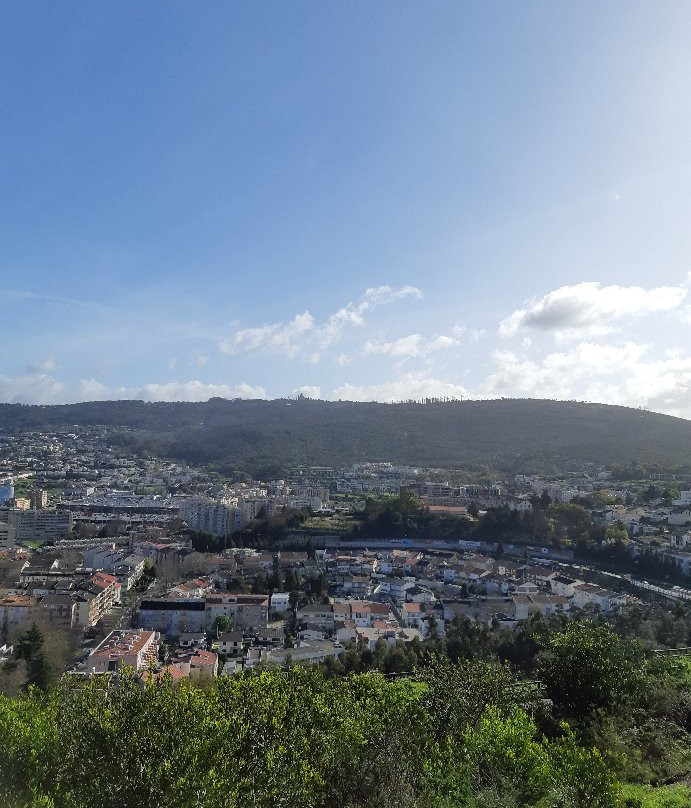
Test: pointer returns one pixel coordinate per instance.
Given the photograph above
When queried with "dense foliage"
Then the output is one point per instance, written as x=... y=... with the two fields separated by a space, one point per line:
x=550 y=715
x=460 y=736
x=264 y=437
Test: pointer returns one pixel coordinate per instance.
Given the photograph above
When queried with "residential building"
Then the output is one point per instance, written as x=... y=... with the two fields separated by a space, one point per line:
x=173 y=616
x=230 y=643
x=247 y=613
x=133 y=648
x=318 y=616
x=38 y=499
x=208 y=516
x=37 y=525
x=16 y=610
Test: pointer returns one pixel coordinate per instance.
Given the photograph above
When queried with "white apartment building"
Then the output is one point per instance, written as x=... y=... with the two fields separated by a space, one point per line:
x=37 y=525
x=208 y=516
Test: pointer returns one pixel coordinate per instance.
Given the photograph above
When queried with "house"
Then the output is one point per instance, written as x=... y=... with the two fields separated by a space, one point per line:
x=195 y=588
x=585 y=595
x=319 y=616
x=174 y=672
x=360 y=612
x=356 y=585
x=413 y=615
x=680 y=517
x=96 y=597
x=418 y=594
x=60 y=608
x=394 y=586
x=192 y=639
x=203 y=664
x=271 y=635
x=542 y=576
x=480 y=609
x=16 y=610
x=280 y=602
x=129 y=570
x=230 y=643
x=307 y=653
x=307 y=634
x=389 y=635
x=563 y=585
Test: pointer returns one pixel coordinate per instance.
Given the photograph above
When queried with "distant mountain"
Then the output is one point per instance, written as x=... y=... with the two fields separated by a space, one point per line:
x=266 y=436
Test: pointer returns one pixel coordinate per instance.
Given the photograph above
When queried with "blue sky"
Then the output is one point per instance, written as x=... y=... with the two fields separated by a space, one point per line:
x=353 y=200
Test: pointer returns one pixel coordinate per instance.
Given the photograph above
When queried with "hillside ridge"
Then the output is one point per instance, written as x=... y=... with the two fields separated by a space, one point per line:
x=261 y=434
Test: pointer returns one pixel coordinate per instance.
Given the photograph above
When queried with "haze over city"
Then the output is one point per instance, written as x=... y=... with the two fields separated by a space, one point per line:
x=484 y=201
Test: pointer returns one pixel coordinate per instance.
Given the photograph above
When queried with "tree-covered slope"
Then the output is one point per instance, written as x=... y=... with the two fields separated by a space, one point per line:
x=256 y=434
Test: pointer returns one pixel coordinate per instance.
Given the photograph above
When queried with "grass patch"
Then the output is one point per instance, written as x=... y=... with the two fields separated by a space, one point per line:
x=638 y=796
x=339 y=523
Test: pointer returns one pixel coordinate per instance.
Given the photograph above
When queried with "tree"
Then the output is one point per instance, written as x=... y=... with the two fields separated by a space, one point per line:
x=29 y=643
x=291 y=581
x=260 y=584
x=275 y=582
x=29 y=647
x=221 y=624
x=616 y=534
x=588 y=667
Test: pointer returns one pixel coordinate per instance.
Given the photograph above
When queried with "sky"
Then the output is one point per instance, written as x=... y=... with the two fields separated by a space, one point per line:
x=347 y=200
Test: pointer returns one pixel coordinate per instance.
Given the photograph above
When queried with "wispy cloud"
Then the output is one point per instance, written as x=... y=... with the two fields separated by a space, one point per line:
x=275 y=337
x=414 y=345
x=46 y=366
x=21 y=295
x=303 y=332
x=353 y=314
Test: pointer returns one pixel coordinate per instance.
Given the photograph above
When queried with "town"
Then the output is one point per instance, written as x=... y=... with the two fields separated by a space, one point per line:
x=137 y=562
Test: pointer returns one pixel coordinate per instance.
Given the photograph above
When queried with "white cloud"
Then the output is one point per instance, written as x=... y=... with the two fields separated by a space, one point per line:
x=48 y=390
x=275 y=337
x=406 y=387
x=614 y=374
x=590 y=309
x=308 y=390
x=413 y=345
x=47 y=366
x=353 y=314
x=40 y=389
x=189 y=391
x=302 y=332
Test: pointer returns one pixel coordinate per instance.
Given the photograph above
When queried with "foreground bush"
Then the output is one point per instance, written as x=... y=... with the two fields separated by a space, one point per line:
x=463 y=737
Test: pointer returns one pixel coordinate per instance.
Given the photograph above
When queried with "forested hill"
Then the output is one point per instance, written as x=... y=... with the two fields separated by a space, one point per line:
x=255 y=435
